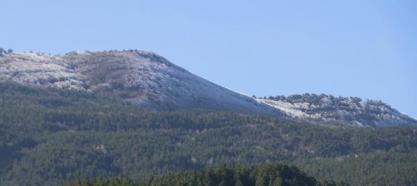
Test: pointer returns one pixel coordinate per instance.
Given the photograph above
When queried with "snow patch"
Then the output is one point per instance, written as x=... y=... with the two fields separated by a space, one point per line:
x=295 y=110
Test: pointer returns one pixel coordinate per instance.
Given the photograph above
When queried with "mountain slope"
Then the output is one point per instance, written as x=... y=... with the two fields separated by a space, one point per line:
x=342 y=110
x=143 y=78
x=152 y=82
x=266 y=175
x=51 y=135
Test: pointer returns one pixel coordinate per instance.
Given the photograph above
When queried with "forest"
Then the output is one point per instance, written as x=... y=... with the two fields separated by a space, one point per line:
x=49 y=137
x=266 y=175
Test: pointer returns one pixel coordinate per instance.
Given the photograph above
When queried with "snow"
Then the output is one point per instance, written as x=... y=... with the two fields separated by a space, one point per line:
x=147 y=79
x=143 y=78
x=350 y=110
x=38 y=69
x=290 y=109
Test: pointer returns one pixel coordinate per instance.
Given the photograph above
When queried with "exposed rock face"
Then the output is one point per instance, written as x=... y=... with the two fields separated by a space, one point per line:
x=343 y=110
x=143 y=78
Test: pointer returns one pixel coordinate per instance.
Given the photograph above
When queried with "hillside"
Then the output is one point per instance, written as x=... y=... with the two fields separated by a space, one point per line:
x=324 y=109
x=142 y=78
x=51 y=135
x=267 y=175
x=151 y=82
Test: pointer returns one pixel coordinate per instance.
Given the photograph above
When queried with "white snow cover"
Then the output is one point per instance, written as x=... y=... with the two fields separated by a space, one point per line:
x=347 y=110
x=140 y=77
x=148 y=80
x=290 y=109
x=40 y=70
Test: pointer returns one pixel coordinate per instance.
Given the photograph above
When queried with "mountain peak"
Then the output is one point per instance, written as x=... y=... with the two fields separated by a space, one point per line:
x=142 y=78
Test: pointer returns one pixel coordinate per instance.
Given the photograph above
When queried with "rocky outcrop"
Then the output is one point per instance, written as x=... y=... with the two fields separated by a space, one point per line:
x=343 y=110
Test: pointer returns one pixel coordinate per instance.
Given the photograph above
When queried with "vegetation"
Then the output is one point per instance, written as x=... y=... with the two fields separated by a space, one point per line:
x=4 y=51
x=49 y=136
x=270 y=175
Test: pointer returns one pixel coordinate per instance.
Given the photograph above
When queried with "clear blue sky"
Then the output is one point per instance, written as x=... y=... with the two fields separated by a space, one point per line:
x=345 y=48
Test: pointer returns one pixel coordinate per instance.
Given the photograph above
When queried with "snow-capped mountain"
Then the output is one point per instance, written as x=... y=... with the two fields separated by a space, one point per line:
x=143 y=78
x=341 y=110
x=151 y=81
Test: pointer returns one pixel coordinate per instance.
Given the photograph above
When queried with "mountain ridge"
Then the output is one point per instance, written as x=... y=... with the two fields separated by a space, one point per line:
x=344 y=110
x=143 y=78
x=151 y=81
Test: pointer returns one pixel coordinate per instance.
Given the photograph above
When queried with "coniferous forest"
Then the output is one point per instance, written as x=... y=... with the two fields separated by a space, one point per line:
x=268 y=175
x=53 y=137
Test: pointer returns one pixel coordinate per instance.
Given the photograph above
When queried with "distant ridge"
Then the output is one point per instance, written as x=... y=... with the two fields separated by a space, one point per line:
x=343 y=110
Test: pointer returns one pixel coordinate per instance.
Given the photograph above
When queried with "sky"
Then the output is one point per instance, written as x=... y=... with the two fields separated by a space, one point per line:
x=357 y=48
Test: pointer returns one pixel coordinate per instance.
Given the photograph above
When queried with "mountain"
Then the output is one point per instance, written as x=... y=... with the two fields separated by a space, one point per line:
x=74 y=117
x=143 y=78
x=342 y=110
x=152 y=82
x=48 y=136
